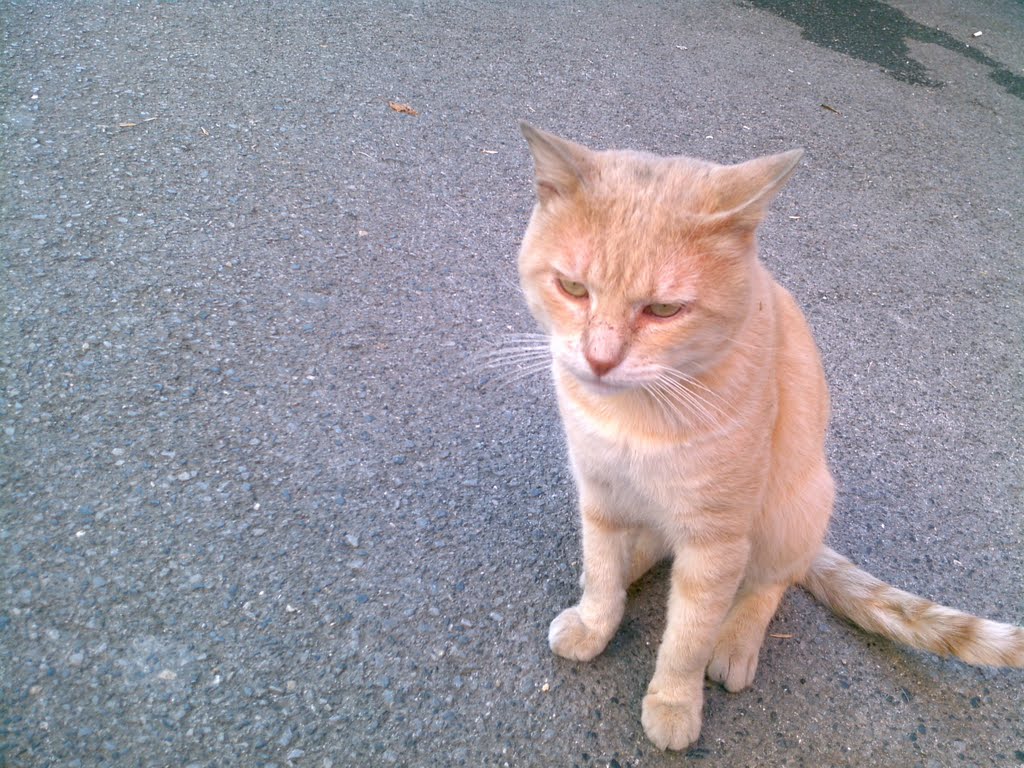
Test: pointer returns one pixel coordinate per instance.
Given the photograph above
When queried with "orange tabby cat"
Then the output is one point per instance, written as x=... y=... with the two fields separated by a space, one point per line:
x=695 y=407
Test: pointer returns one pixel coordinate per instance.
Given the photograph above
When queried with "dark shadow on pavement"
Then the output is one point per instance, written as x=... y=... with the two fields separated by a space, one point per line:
x=877 y=33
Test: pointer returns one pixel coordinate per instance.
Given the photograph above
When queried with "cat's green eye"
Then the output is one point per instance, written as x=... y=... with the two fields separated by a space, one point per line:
x=663 y=310
x=574 y=289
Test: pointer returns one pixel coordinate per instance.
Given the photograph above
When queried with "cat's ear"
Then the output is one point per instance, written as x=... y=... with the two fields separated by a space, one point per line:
x=560 y=165
x=744 y=191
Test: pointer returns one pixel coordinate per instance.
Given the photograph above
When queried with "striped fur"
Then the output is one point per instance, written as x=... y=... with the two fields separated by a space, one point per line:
x=892 y=613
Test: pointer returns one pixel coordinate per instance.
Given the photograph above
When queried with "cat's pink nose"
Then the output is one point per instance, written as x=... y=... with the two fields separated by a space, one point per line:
x=600 y=365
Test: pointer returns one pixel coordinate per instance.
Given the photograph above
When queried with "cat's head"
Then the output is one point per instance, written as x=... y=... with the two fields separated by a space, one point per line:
x=634 y=264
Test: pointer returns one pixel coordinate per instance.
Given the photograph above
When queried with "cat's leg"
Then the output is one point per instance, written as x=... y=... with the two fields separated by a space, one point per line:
x=582 y=632
x=704 y=583
x=645 y=549
x=734 y=659
x=788 y=534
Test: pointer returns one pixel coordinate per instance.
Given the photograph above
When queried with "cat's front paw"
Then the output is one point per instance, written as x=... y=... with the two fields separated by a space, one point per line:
x=671 y=724
x=571 y=638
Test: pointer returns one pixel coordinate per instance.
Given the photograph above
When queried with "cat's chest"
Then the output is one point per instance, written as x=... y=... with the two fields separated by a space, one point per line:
x=639 y=481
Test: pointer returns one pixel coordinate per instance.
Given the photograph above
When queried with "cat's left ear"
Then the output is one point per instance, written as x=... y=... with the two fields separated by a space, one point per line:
x=561 y=166
x=744 y=191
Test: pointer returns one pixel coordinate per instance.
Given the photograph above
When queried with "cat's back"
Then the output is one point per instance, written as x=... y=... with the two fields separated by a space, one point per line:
x=800 y=377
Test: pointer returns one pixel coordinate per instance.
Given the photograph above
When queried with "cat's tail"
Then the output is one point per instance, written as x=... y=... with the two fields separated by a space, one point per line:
x=892 y=613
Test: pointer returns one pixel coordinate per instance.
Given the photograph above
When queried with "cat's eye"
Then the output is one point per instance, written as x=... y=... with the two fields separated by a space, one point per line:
x=574 y=289
x=663 y=310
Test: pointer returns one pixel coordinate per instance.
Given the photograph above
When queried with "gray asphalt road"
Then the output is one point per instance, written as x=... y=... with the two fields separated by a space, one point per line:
x=258 y=505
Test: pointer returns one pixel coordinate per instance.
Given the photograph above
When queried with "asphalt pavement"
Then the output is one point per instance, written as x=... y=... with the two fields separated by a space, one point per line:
x=260 y=503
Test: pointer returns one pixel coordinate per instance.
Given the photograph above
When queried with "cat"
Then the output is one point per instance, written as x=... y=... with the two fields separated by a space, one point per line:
x=695 y=407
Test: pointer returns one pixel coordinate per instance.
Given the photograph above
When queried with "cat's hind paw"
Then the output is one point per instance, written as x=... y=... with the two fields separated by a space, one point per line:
x=735 y=659
x=733 y=665
x=671 y=725
x=571 y=638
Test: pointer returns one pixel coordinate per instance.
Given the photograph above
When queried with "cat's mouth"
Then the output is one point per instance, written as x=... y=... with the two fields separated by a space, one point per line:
x=602 y=385
x=614 y=382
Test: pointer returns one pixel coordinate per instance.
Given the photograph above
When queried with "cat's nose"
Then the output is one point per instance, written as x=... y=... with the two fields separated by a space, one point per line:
x=604 y=346
x=600 y=365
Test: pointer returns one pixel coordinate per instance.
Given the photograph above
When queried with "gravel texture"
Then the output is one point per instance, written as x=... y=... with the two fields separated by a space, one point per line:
x=257 y=506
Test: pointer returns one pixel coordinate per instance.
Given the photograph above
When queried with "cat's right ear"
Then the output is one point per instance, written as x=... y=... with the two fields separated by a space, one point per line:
x=560 y=166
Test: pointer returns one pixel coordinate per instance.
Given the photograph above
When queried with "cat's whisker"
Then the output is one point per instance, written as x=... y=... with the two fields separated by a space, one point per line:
x=692 y=383
x=715 y=401
x=522 y=336
x=656 y=391
x=539 y=349
x=514 y=350
x=509 y=348
x=684 y=382
x=516 y=360
x=690 y=409
x=507 y=338
x=682 y=386
x=525 y=370
x=511 y=284
x=539 y=343
x=715 y=413
x=656 y=396
x=512 y=339
x=511 y=377
x=687 y=378
x=516 y=347
x=517 y=355
x=677 y=401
